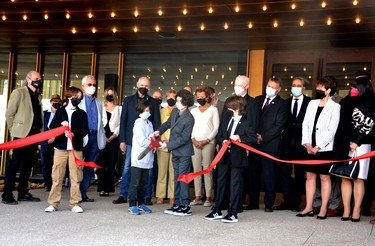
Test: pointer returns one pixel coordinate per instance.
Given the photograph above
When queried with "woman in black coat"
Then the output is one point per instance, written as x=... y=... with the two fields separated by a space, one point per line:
x=232 y=165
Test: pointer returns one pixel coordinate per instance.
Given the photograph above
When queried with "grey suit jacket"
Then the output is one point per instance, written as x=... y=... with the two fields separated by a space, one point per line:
x=19 y=114
x=101 y=132
x=181 y=127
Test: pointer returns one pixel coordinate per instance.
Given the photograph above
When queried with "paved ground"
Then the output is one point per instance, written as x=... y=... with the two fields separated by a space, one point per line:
x=104 y=223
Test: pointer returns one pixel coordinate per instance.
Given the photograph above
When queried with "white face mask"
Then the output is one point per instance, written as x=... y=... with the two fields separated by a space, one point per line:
x=179 y=105
x=90 y=90
x=238 y=90
x=270 y=92
x=145 y=115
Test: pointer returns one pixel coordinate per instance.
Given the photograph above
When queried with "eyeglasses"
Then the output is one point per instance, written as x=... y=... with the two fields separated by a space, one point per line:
x=89 y=85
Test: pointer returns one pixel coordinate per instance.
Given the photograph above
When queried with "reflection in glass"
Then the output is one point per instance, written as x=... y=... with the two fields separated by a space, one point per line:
x=345 y=72
x=287 y=72
x=80 y=66
x=24 y=64
x=174 y=71
x=52 y=77
x=107 y=64
x=3 y=93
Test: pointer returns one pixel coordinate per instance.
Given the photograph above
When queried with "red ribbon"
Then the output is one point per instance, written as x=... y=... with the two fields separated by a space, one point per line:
x=36 y=138
x=187 y=178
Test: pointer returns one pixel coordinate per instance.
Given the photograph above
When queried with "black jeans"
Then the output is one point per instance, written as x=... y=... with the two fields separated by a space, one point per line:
x=107 y=159
x=138 y=186
x=23 y=158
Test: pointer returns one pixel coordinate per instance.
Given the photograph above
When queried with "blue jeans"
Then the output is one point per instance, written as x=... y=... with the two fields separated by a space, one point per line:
x=181 y=165
x=124 y=187
x=90 y=153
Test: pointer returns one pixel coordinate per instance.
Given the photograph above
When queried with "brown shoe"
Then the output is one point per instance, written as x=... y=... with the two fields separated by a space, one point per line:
x=160 y=201
x=333 y=212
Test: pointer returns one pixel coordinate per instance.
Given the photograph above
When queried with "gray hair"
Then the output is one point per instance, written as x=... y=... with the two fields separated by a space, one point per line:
x=304 y=81
x=86 y=78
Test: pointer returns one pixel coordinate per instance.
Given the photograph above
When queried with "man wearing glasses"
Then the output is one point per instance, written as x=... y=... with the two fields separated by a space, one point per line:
x=24 y=118
x=96 y=137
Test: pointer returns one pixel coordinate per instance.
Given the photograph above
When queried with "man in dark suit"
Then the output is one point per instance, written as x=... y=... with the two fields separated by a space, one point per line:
x=46 y=147
x=273 y=115
x=128 y=117
x=292 y=149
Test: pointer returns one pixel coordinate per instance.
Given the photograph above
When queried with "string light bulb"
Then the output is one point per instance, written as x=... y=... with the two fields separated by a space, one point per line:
x=114 y=29
x=202 y=27
x=24 y=17
x=93 y=30
x=293 y=6
x=324 y=4
x=90 y=15
x=357 y=20
x=226 y=26
x=185 y=11
x=113 y=14
x=136 y=13
x=355 y=2
x=250 y=25
x=160 y=12
x=237 y=9
x=302 y=22
x=4 y=18
x=179 y=28
x=275 y=24
x=329 y=21
x=67 y=16
x=74 y=30
x=210 y=10
x=135 y=29
x=46 y=16
x=157 y=29
x=264 y=8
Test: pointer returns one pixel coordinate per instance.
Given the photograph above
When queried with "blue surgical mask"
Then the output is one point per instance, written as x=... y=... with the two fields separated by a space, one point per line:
x=270 y=92
x=296 y=91
x=145 y=115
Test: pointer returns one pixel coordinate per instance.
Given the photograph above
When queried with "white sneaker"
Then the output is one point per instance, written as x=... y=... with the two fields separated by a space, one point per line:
x=207 y=204
x=194 y=203
x=77 y=209
x=50 y=209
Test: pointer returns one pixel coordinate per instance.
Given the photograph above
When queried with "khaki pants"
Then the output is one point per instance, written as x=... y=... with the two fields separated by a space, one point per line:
x=165 y=165
x=203 y=157
x=61 y=157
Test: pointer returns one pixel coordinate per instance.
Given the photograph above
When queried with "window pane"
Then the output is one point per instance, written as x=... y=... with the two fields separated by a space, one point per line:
x=107 y=64
x=3 y=93
x=345 y=72
x=52 y=77
x=24 y=64
x=80 y=66
x=166 y=71
x=286 y=73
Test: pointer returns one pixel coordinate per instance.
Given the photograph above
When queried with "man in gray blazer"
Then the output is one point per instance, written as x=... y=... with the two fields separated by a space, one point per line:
x=24 y=117
x=96 y=137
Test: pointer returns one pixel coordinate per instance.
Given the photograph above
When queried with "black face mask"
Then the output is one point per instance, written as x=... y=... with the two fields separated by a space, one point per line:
x=171 y=102
x=143 y=90
x=209 y=100
x=36 y=83
x=201 y=101
x=109 y=98
x=159 y=101
x=75 y=101
x=319 y=94
x=56 y=105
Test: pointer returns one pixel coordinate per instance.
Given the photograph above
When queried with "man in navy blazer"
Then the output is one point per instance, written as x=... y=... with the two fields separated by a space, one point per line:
x=128 y=117
x=292 y=149
x=273 y=115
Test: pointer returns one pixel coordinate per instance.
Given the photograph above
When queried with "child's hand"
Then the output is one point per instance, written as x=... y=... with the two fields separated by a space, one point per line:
x=65 y=123
x=163 y=145
x=235 y=137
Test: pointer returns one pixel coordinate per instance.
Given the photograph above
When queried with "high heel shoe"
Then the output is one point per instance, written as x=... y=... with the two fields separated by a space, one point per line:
x=345 y=218
x=321 y=217
x=309 y=214
x=356 y=220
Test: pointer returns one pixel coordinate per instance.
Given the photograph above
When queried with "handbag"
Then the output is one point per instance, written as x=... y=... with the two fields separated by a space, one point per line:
x=349 y=170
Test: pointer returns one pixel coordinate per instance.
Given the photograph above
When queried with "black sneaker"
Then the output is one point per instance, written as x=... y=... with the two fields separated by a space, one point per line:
x=27 y=197
x=120 y=200
x=183 y=211
x=214 y=216
x=171 y=210
x=9 y=201
x=230 y=218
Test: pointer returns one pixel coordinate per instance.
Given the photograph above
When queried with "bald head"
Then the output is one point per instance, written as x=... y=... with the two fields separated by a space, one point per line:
x=242 y=82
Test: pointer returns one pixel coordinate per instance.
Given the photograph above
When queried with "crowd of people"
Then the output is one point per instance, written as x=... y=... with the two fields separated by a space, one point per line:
x=188 y=137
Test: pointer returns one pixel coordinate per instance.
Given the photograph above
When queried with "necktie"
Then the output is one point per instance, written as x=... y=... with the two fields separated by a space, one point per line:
x=230 y=128
x=266 y=105
x=295 y=108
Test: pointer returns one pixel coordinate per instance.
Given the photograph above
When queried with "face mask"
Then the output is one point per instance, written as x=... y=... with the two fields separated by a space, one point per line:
x=201 y=101
x=159 y=101
x=75 y=101
x=296 y=91
x=36 y=83
x=109 y=98
x=270 y=92
x=145 y=115
x=179 y=105
x=56 y=105
x=238 y=90
x=319 y=94
x=143 y=90
x=354 y=92
x=171 y=102
x=90 y=90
